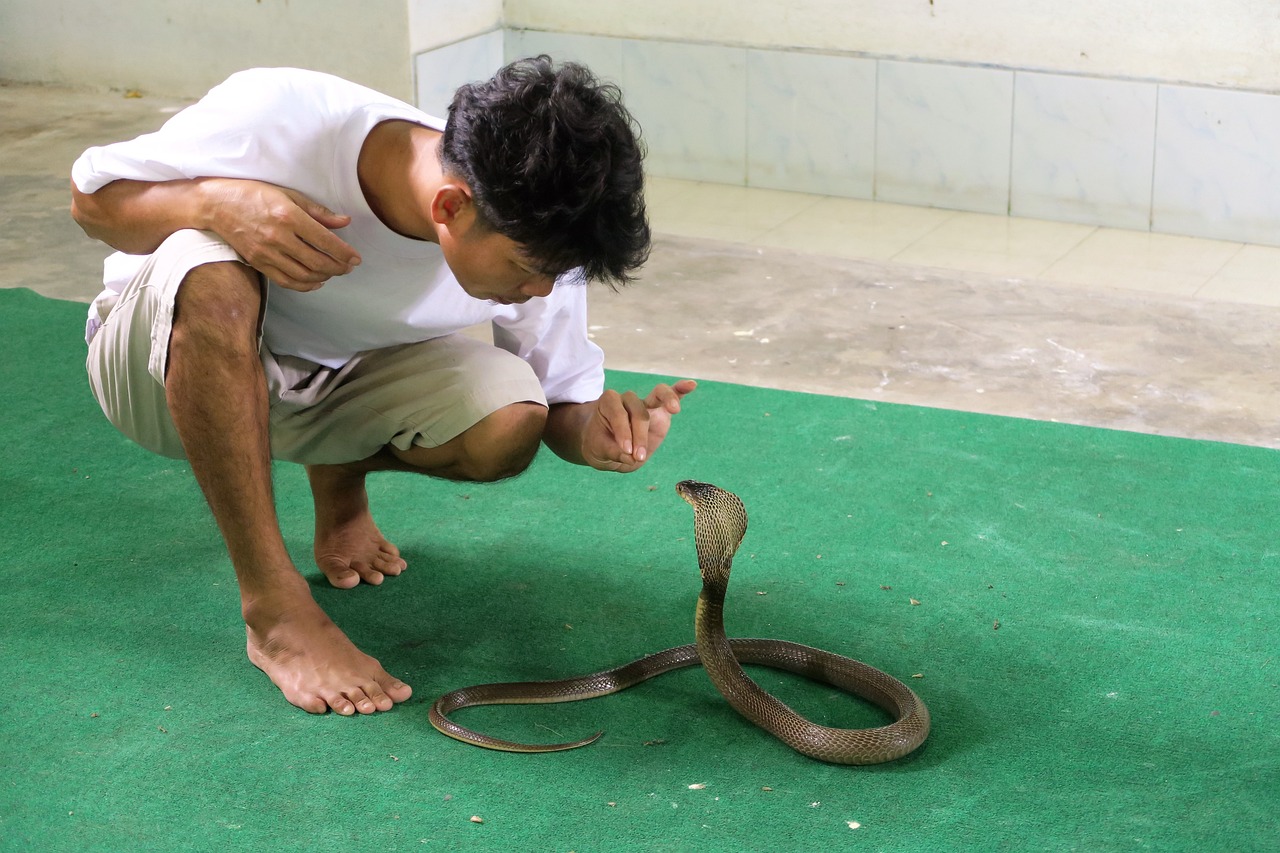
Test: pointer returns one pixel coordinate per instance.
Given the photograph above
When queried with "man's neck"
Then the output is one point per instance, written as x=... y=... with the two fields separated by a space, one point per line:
x=399 y=173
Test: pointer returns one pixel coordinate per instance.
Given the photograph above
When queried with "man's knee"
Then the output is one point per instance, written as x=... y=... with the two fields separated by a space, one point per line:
x=221 y=304
x=504 y=443
x=499 y=446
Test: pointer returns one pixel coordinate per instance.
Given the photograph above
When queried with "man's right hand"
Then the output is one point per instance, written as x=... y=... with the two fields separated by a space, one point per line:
x=279 y=232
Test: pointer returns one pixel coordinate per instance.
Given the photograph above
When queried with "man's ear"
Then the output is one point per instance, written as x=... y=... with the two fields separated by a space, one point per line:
x=451 y=203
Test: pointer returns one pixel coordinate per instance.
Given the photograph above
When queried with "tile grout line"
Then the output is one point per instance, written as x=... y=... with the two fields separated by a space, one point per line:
x=1239 y=249
x=1094 y=230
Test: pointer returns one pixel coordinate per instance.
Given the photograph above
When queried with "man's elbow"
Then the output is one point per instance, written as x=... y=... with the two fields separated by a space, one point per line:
x=80 y=211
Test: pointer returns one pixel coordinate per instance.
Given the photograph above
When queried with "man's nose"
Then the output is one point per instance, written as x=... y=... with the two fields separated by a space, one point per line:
x=538 y=285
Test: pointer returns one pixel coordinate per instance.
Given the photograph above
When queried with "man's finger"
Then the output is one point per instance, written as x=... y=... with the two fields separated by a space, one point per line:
x=292 y=276
x=317 y=262
x=611 y=410
x=669 y=396
x=323 y=241
x=314 y=229
x=638 y=422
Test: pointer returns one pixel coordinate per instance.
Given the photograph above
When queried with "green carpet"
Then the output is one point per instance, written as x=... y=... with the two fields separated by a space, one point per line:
x=1095 y=635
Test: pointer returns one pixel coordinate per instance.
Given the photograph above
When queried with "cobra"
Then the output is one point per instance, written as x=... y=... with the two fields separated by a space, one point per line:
x=720 y=522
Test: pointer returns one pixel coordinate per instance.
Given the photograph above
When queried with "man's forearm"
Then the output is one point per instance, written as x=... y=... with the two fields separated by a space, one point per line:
x=137 y=216
x=566 y=423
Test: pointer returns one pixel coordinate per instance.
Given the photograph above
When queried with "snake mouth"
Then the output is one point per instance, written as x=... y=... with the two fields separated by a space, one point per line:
x=691 y=491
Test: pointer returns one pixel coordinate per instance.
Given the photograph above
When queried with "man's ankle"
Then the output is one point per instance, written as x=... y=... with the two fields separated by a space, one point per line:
x=266 y=603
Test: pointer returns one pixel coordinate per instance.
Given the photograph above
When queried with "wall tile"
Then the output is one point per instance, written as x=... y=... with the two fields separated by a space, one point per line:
x=1217 y=170
x=1083 y=149
x=811 y=123
x=603 y=55
x=691 y=102
x=943 y=136
x=1039 y=145
x=437 y=73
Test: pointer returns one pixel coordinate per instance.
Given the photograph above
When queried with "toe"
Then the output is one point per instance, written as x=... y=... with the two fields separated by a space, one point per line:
x=369 y=574
x=397 y=690
x=341 y=704
x=361 y=701
x=389 y=564
x=381 y=701
x=342 y=577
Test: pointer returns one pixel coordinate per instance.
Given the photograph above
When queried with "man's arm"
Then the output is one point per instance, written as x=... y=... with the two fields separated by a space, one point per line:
x=279 y=232
x=618 y=432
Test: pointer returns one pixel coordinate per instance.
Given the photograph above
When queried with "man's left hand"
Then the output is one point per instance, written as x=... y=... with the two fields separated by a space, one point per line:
x=624 y=431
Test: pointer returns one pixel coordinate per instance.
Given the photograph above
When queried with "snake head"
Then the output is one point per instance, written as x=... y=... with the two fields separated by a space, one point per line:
x=719 y=523
x=694 y=492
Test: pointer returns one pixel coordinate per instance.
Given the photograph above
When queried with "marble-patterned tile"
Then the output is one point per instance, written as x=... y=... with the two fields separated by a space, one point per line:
x=943 y=135
x=1217 y=173
x=994 y=244
x=811 y=123
x=855 y=228
x=690 y=100
x=438 y=73
x=602 y=54
x=1252 y=276
x=724 y=212
x=1083 y=149
x=435 y=23
x=1139 y=260
x=659 y=191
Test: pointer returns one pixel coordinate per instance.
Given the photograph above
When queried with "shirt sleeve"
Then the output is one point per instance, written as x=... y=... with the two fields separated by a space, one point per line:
x=249 y=120
x=551 y=335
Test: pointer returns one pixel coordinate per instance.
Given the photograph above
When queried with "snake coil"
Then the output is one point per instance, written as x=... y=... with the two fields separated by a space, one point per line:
x=720 y=522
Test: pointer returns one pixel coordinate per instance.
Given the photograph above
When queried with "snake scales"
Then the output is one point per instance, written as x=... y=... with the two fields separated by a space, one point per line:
x=720 y=521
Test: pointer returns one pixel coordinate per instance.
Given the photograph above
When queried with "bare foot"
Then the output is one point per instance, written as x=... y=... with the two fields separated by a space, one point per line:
x=316 y=667
x=349 y=547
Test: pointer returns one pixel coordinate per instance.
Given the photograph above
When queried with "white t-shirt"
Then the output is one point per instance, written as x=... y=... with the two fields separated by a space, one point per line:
x=304 y=130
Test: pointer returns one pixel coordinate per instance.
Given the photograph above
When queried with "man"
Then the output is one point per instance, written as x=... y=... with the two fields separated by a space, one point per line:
x=296 y=253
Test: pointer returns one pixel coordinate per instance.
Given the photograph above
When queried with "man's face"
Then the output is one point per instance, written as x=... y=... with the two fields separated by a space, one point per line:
x=493 y=267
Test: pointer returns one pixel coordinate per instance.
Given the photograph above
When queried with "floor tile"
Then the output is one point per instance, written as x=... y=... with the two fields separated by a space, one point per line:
x=851 y=228
x=1251 y=276
x=968 y=242
x=998 y=245
x=1137 y=260
x=723 y=212
x=663 y=191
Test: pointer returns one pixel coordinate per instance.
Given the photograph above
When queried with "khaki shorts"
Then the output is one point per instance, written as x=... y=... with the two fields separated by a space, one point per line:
x=421 y=394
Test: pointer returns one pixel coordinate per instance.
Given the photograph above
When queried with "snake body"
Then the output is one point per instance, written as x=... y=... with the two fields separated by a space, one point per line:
x=720 y=522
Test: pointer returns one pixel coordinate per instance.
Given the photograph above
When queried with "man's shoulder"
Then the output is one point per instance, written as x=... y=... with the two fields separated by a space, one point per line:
x=275 y=95
x=300 y=81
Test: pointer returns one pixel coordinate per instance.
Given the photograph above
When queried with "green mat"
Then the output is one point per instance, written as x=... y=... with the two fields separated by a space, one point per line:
x=1090 y=615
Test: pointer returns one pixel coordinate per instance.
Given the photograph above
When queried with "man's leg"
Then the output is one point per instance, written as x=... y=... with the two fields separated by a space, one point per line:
x=349 y=548
x=450 y=407
x=217 y=396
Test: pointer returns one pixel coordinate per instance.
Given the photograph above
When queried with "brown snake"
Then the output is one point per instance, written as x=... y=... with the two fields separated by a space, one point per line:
x=720 y=522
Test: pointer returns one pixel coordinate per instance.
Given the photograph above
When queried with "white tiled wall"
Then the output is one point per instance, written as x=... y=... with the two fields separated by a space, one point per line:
x=942 y=136
x=691 y=100
x=1083 y=150
x=437 y=73
x=1218 y=164
x=1128 y=154
x=811 y=123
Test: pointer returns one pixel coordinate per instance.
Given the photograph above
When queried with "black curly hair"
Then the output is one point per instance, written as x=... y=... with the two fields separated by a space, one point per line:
x=554 y=162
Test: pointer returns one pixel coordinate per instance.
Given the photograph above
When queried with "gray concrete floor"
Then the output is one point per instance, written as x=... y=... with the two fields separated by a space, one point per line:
x=1056 y=322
